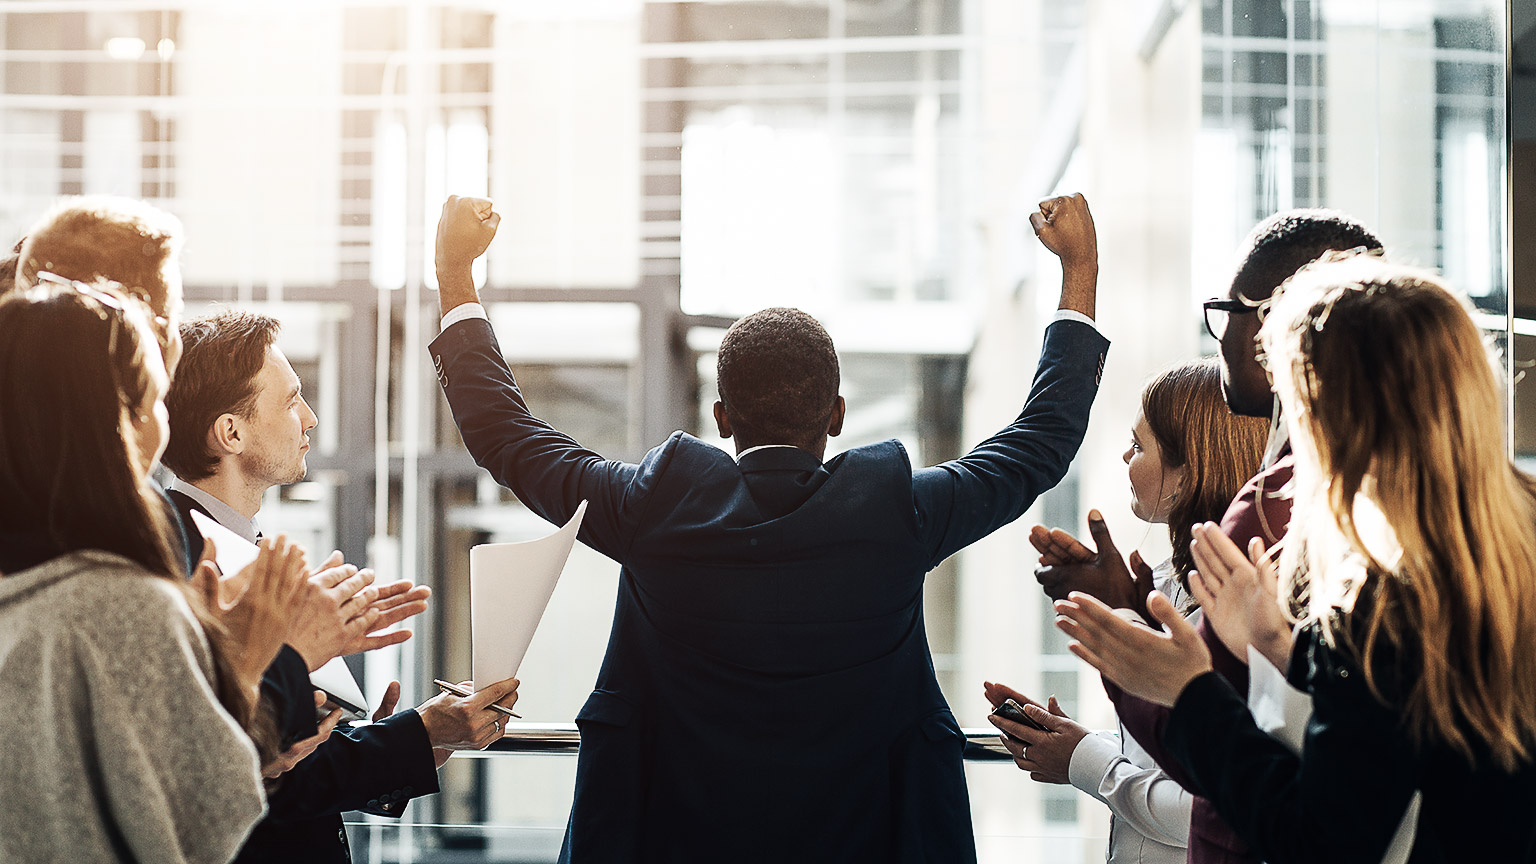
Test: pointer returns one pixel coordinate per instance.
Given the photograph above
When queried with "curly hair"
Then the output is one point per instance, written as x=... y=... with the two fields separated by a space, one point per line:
x=778 y=377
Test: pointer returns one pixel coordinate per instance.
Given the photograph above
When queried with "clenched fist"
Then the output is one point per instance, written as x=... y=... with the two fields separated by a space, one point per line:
x=464 y=231
x=1065 y=226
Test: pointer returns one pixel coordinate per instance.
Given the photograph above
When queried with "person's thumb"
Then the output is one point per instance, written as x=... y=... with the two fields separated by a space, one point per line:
x=1037 y=222
x=1055 y=707
x=1100 y=532
x=388 y=703
x=205 y=579
x=1163 y=610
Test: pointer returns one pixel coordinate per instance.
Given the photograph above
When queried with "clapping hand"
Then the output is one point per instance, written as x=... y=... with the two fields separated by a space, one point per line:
x=258 y=618
x=1141 y=661
x=396 y=602
x=1239 y=595
x=1102 y=574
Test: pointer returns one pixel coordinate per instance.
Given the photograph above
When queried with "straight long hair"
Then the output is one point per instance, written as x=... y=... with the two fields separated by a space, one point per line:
x=1406 y=496
x=75 y=369
x=1217 y=449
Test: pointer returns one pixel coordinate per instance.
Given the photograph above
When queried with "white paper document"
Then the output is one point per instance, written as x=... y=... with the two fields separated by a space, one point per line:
x=232 y=553
x=509 y=586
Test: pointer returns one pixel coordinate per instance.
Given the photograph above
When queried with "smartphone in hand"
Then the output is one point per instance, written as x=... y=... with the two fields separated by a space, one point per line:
x=1012 y=710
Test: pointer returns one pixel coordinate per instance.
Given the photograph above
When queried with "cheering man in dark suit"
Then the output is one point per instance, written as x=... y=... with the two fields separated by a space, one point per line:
x=768 y=694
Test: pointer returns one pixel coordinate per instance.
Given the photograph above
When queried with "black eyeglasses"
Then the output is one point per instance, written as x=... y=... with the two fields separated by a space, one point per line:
x=1219 y=312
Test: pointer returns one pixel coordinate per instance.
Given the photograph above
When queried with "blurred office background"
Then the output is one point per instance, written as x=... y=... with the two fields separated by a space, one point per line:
x=664 y=167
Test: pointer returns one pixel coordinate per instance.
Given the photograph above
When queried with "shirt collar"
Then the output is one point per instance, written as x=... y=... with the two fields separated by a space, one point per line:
x=763 y=447
x=222 y=513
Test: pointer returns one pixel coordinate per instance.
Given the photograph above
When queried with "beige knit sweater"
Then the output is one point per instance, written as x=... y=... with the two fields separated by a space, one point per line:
x=113 y=746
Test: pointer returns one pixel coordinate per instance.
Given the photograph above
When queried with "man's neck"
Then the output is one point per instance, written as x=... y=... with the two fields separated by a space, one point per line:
x=241 y=493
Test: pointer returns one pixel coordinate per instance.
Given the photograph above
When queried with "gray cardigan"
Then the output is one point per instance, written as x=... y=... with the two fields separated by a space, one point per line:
x=113 y=746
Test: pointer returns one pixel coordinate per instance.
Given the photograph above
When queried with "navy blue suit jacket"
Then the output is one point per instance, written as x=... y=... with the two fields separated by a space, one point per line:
x=377 y=768
x=767 y=693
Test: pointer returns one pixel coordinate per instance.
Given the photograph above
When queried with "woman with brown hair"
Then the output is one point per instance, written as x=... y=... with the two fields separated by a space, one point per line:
x=1188 y=456
x=127 y=693
x=1408 y=574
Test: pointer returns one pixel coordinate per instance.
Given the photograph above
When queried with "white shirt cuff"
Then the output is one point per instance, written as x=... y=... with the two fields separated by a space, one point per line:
x=1091 y=760
x=464 y=312
x=1073 y=315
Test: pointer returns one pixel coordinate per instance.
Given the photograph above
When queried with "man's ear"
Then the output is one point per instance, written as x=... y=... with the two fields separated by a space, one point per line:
x=227 y=437
x=835 y=424
x=722 y=420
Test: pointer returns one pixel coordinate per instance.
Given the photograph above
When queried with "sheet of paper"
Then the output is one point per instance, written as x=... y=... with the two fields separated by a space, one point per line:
x=335 y=678
x=232 y=553
x=509 y=586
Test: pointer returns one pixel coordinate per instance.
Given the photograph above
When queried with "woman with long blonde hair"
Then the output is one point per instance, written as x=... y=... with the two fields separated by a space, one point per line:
x=1410 y=572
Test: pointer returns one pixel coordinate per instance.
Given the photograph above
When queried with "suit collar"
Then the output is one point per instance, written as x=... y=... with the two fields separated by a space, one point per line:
x=778 y=459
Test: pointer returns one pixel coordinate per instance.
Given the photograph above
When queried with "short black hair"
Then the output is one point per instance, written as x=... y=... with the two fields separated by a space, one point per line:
x=1291 y=239
x=222 y=354
x=778 y=377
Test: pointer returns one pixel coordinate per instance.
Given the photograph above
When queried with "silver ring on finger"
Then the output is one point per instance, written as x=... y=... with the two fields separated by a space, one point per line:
x=497 y=724
x=1024 y=753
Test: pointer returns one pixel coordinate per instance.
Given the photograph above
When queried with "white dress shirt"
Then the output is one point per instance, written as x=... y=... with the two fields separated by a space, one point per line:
x=1149 y=811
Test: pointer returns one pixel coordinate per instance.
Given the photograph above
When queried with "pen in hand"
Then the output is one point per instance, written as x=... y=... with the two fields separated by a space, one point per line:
x=460 y=691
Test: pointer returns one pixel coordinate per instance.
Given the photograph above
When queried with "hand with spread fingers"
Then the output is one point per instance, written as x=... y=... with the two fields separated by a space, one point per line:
x=395 y=602
x=332 y=609
x=1104 y=575
x=1141 y=661
x=1047 y=755
x=1239 y=594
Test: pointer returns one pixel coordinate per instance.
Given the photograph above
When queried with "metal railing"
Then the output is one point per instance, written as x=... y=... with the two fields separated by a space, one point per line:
x=981 y=743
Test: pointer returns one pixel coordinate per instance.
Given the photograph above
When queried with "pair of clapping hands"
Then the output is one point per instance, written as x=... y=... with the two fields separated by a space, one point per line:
x=1110 y=609
x=329 y=612
x=322 y=613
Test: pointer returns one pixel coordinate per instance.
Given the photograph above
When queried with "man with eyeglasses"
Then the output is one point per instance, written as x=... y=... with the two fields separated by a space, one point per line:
x=1271 y=254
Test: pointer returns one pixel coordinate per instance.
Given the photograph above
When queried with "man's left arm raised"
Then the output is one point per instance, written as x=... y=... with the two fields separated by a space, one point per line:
x=965 y=499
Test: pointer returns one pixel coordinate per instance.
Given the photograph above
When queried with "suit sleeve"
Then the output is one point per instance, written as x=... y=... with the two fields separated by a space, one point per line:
x=375 y=768
x=961 y=501
x=546 y=469
x=1341 y=803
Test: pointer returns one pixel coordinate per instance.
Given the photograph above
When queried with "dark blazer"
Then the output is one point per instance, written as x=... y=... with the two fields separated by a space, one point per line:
x=1343 y=799
x=767 y=693
x=375 y=768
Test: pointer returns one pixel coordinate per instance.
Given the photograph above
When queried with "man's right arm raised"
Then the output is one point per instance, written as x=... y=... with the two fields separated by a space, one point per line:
x=547 y=470
x=963 y=500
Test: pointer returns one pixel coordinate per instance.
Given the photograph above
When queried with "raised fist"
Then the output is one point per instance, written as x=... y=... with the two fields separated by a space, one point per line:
x=465 y=230
x=1065 y=226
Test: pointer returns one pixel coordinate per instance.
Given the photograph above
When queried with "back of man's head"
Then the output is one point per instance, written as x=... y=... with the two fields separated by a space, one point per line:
x=221 y=356
x=107 y=237
x=778 y=378
x=1290 y=239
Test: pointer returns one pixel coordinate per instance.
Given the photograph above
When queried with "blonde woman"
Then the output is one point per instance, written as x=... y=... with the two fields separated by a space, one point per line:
x=1412 y=558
